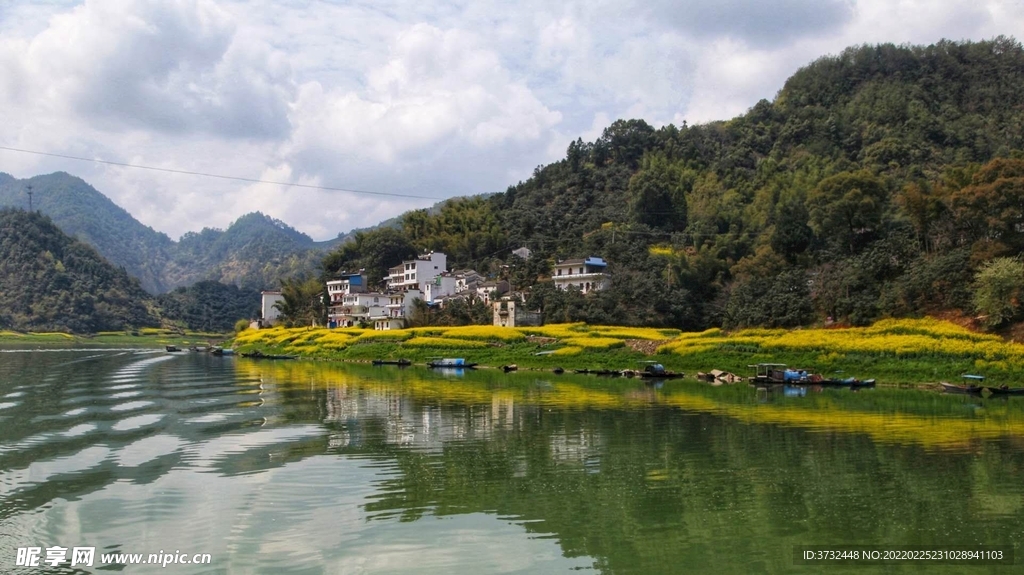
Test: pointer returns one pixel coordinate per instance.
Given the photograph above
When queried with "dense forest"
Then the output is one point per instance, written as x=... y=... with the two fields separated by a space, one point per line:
x=52 y=282
x=209 y=306
x=886 y=180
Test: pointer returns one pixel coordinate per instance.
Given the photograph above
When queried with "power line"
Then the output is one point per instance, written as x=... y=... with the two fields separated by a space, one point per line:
x=219 y=176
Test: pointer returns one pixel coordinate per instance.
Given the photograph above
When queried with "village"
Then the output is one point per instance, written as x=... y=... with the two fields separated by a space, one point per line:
x=353 y=302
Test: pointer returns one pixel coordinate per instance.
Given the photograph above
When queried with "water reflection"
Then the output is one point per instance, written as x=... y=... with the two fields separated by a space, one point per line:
x=302 y=466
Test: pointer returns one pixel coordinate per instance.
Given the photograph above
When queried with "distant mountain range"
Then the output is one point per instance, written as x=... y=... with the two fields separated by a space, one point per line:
x=254 y=252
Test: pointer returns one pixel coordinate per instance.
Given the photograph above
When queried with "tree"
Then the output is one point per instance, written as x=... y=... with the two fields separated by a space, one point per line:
x=848 y=208
x=656 y=194
x=303 y=303
x=997 y=290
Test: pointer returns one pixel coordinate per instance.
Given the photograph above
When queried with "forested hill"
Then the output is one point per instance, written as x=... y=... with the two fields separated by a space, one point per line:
x=52 y=282
x=880 y=181
x=254 y=252
x=81 y=211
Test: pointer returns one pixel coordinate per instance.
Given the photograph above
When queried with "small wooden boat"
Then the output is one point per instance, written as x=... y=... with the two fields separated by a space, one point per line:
x=1003 y=390
x=398 y=362
x=510 y=367
x=658 y=371
x=962 y=389
x=451 y=363
x=219 y=351
x=173 y=348
x=260 y=355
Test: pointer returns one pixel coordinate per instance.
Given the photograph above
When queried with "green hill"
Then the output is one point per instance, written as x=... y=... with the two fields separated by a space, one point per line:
x=81 y=211
x=52 y=282
x=877 y=183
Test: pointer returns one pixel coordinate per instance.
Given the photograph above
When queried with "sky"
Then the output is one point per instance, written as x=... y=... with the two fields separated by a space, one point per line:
x=420 y=100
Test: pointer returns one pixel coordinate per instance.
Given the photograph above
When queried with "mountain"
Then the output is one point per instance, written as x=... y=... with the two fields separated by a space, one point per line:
x=81 y=211
x=877 y=183
x=52 y=282
x=256 y=251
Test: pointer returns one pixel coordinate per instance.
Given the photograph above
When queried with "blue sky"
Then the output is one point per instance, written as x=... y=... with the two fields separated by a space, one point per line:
x=407 y=97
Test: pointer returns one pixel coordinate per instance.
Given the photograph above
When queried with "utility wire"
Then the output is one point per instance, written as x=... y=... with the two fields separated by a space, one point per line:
x=219 y=176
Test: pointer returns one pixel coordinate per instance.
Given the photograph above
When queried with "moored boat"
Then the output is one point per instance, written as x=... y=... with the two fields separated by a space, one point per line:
x=398 y=362
x=658 y=371
x=173 y=348
x=962 y=389
x=222 y=351
x=260 y=355
x=1003 y=390
x=447 y=362
x=510 y=367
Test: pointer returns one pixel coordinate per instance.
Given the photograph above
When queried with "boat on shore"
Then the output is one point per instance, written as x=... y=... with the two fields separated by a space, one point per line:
x=510 y=367
x=447 y=362
x=658 y=371
x=220 y=351
x=398 y=362
x=971 y=385
x=260 y=355
x=172 y=348
x=1003 y=390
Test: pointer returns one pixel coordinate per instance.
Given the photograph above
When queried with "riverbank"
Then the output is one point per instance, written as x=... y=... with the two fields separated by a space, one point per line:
x=145 y=337
x=895 y=352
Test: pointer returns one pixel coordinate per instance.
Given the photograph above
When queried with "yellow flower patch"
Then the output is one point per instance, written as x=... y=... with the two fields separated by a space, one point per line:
x=444 y=343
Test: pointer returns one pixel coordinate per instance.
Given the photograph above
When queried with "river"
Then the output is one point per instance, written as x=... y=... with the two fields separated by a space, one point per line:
x=311 y=467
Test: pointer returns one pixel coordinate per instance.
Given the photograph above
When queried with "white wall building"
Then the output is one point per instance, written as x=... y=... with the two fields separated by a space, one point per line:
x=268 y=313
x=356 y=308
x=398 y=308
x=415 y=274
x=440 y=286
x=587 y=274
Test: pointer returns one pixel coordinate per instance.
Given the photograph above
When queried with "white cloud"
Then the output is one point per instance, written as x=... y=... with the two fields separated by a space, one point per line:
x=396 y=95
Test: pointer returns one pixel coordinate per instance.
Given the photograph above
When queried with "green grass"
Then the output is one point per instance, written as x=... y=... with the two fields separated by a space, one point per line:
x=152 y=338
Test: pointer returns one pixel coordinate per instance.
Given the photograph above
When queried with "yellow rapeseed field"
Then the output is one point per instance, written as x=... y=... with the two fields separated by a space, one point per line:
x=444 y=343
x=893 y=338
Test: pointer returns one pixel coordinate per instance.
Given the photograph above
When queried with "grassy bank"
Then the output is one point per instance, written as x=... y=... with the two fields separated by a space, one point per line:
x=893 y=351
x=145 y=337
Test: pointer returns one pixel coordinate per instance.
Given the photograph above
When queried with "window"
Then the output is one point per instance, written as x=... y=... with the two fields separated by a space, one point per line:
x=559 y=271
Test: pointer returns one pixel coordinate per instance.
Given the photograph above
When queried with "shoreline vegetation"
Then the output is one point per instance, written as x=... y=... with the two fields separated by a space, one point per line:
x=895 y=352
x=143 y=337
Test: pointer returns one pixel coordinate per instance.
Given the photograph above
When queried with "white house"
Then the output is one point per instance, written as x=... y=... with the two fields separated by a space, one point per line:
x=398 y=308
x=347 y=283
x=587 y=274
x=268 y=313
x=440 y=286
x=415 y=274
x=466 y=280
x=355 y=308
x=509 y=311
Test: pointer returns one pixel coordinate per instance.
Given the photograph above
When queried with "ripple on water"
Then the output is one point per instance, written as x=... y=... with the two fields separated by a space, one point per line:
x=75 y=412
x=147 y=449
x=14 y=394
x=137 y=421
x=125 y=394
x=8 y=404
x=80 y=429
x=131 y=406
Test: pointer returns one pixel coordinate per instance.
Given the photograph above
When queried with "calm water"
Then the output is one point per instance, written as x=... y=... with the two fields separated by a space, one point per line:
x=302 y=467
